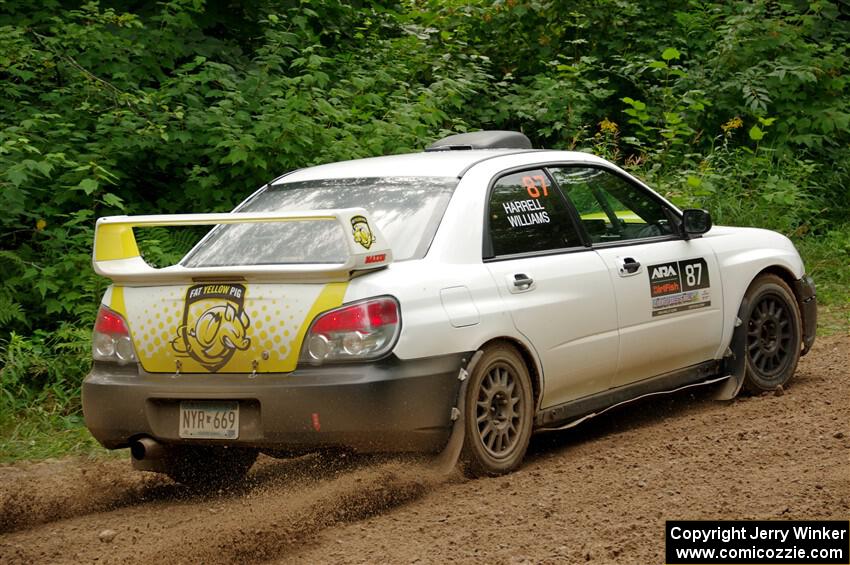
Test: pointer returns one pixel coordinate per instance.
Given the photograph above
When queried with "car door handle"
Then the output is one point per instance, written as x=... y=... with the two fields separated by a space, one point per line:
x=523 y=281
x=628 y=266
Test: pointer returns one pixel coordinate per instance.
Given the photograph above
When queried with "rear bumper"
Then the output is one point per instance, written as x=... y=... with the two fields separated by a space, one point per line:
x=804 y=288
x=391 y=405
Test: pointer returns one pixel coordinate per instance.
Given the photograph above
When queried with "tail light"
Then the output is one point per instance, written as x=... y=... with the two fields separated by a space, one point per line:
x=356 y=332
x=111 y=339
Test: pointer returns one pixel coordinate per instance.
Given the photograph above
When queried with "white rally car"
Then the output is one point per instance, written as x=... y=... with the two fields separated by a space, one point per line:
x=379 y=304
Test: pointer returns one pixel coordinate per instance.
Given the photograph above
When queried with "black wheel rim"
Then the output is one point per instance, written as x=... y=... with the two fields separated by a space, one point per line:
x=498 y=411
x=770 y=336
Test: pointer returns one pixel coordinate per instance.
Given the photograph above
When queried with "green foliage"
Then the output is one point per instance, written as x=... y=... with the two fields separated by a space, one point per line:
x=106 y=112
x=827 y=258
x=40 y=432
x=40 y=376
x=187 y=106
x=45 y=367
x=162 y=247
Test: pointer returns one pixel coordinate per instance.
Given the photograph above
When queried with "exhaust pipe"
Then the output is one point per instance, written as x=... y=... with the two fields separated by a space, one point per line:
x=146 y=448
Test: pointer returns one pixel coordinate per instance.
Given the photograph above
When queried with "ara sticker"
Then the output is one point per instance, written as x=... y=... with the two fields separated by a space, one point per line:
x=679 y=285
x=362 y=232
x=215 y=324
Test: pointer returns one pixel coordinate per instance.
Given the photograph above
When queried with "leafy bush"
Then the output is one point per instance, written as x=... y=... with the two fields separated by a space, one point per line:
x=187 y=106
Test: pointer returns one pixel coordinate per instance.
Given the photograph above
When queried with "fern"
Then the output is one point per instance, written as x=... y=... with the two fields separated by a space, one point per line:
x=10 y=258
x=161 y=246
x=10 y=311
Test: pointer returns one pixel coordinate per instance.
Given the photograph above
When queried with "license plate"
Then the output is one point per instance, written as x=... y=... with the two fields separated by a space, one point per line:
x=201 y=419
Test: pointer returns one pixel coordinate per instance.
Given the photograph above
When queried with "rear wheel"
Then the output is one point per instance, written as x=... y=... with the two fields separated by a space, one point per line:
x=499 y=409
x=210 y=467
x=774 y=334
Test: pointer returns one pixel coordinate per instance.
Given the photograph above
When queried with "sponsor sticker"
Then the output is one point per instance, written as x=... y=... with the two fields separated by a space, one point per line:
x=677 y=286
x=362 y=232
x=215 y=324
x=378 y=258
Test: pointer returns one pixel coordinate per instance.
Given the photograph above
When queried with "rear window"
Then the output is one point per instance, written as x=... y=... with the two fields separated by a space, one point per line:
x=407 y=210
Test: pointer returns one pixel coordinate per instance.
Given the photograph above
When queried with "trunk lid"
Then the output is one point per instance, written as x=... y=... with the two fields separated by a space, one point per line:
x=222 y=327
x=243 y=318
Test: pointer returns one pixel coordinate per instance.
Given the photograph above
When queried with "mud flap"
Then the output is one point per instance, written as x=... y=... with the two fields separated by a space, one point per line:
x=447 y=460
x=735 y=360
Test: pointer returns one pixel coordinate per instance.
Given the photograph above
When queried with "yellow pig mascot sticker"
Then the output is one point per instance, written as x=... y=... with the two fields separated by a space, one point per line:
x=362 y=232
x=215 y=325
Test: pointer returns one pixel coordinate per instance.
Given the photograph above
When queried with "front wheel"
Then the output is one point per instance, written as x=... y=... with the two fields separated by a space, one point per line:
x=210 y=467
x=774 y=334
x=499 y=408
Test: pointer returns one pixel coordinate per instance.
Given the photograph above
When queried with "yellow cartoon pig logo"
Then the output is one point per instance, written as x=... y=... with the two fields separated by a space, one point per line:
x=362 y=232
x=216 y=327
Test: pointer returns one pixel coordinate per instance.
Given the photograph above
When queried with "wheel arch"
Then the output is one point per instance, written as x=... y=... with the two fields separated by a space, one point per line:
x=534 y=370
x=787 y=276
x=780 y=272
x=734 y=303
x=734 y=364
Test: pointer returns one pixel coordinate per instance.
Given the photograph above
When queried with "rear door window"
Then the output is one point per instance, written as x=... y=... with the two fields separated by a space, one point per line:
x=527 y=214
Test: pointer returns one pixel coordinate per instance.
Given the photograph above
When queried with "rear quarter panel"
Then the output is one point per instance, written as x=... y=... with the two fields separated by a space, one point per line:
x=430 y=327
x=452 y=268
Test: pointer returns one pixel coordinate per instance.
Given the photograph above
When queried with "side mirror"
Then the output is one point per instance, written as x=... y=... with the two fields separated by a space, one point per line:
x=695 y=221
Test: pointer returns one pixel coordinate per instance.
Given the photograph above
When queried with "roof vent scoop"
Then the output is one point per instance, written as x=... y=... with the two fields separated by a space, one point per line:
x=495 y=139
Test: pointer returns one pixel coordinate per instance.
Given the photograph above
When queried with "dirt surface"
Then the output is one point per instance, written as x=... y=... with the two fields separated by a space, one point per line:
x=599 y=493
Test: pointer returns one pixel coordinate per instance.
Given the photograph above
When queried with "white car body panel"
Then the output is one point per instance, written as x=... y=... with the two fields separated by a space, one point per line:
x=606 y=345
x=742 y=253
x=569 y=317
x=651 y=345
x=586 y=328
x=427 y=328
x=433 y=164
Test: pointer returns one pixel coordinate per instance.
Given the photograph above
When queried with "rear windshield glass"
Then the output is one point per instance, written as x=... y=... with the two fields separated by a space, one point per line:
x=407 y=210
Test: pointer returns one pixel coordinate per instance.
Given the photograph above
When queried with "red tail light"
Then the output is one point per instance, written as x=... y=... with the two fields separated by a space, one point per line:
x=111 y=338
x=361 y=331
x=365 y=316
x=109 y=322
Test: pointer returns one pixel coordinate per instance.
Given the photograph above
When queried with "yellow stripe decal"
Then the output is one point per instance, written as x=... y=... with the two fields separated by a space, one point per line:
x=117 y=302
x=330 y=298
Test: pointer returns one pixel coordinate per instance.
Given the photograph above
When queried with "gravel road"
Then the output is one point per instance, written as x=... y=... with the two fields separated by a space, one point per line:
x=598 y=493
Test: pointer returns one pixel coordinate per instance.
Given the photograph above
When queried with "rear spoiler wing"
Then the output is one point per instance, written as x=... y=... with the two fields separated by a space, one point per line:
x=116 y=254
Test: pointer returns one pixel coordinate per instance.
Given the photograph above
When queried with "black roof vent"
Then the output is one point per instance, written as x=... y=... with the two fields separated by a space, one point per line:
x=495 y=139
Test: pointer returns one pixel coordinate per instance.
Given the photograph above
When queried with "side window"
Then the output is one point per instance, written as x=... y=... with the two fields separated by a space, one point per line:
x=611 y=208
x=528 y=214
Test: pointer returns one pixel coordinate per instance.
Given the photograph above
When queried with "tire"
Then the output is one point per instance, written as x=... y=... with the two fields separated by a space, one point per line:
x=499 y=409
x=210 y=467
x=773 y=334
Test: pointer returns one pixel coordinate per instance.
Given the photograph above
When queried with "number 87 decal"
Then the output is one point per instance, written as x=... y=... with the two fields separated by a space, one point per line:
x=531 y=185
x=693 y=274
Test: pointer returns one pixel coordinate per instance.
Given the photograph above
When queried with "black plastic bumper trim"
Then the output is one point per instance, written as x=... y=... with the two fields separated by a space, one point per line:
x=390 y=405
